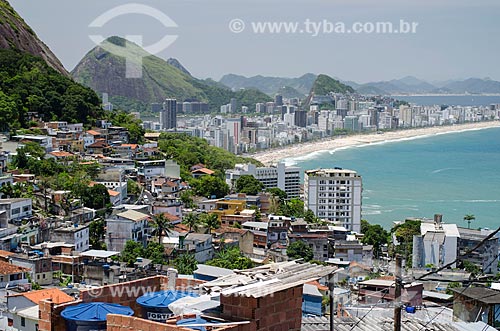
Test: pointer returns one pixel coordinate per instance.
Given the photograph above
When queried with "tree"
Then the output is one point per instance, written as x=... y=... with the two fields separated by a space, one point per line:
x=155 y=252
x=131 y=252
x=292 y=208
x=309 y=217
x=186 y=264
x=211 y=221
x=208 y=186
x=404 y=233
x=192 y=220
x=278 y=193
x=96 y=234
x=187 y=199
x=231 y=258
x=300 y=250
x=161 y=226
x=133 y=188
x=96 y=197
x=374 y=235
x=248 y=184
x=469 y=218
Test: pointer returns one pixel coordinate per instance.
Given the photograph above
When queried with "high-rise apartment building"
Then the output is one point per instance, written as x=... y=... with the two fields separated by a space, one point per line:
x=334 y=195
x=168 y=115
x=286 y=178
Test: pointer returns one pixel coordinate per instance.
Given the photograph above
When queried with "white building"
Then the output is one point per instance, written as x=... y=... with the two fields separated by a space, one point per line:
x=436 y=245
x=127 y=225
x=280 y=176
x=17 y=208
x=335 y=195
x=74 y=234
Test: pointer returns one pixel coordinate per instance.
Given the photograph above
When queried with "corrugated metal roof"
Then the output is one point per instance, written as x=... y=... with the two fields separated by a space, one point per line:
x=374 y=323
x=267 y=279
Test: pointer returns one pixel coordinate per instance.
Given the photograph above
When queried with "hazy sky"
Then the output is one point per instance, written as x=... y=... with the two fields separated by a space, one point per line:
x=454 y=38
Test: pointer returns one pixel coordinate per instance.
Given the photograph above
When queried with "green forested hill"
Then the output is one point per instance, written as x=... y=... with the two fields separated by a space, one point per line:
x=28 y=84
x=105 y=72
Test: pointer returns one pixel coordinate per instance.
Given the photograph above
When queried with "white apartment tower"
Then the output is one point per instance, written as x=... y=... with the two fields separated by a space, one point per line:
x=334 y=195
x=286 y=178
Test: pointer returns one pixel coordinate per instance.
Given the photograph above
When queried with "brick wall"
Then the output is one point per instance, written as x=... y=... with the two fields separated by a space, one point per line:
x=280 y=311
x=128 y=323
x=123 y=293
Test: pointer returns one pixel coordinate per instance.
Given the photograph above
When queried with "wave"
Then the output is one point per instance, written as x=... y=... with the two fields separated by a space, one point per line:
x=445 y=169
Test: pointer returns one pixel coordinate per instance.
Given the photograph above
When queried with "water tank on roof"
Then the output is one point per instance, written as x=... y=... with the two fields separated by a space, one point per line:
x=194 y=321
x=92 y=316
x=155 y=305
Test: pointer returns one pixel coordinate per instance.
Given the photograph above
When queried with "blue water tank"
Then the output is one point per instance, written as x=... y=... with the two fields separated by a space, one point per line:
x=155 y=305
x=92 y=316
x=191 y=321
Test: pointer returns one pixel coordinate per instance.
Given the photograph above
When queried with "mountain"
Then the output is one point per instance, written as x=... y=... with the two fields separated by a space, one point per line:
x=28 y=84
x=175 y=63
x=269 y=85
x=16 y=34
x=324 y=84
x=289 y=92
x=105 y=72
x=473 y=85
x=405 y=85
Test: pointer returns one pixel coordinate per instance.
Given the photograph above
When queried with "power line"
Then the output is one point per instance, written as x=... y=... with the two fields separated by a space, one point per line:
x=478 y=245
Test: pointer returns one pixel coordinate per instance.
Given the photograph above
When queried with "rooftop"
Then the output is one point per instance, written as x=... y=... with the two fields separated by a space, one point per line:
x=55 y=294
x=9 y=269
x=133 y=215
x=481 y=294
x=267 y=279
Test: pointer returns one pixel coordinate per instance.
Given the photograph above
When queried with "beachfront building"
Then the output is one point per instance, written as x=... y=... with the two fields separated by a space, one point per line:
x=334 y=195
x=286 y=178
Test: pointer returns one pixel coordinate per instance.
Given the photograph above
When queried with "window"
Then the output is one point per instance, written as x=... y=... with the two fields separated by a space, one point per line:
x=23 y=321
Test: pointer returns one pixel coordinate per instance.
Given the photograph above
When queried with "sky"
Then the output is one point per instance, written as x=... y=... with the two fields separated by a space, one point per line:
x=454 y=39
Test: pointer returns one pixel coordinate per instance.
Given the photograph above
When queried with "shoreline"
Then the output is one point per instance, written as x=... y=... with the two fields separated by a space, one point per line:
x=326 y=145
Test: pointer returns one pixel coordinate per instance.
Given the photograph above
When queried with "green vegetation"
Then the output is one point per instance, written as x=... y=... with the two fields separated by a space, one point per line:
x=231 y=258
x=324 y=84
x=188 y=151
x=96 y=233
x=207 y=186
x=28 y=84
x=404 y=233
x=192 y=220
x=210 y=221
x=374 y=235
x=186 y=264
x=154 y=251
x=105 y=72
x=471 y=267
x=128 y=121
x=249 y=184
x=299 y=250
x=469 y=218
x=161 y=227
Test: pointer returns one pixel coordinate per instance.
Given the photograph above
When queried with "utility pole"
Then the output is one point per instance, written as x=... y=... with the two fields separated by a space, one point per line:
x=331 y=287
x=397 y=295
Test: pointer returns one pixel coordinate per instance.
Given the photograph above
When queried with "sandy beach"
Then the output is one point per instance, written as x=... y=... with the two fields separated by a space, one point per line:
x=277 y=154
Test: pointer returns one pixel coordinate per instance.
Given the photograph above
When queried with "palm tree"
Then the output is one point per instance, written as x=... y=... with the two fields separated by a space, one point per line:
x=469 y=218
x=161 y=226
x=211 y=221
x=192 y=220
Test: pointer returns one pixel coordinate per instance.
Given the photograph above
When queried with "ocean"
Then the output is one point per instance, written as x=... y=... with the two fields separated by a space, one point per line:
x=453 y=174
x=451 y=100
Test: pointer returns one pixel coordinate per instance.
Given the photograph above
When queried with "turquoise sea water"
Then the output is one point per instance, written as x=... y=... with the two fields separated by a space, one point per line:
x=451 y=174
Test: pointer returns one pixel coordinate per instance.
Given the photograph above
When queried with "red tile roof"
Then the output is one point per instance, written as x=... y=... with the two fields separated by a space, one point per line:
x=55 y=294
x=204 y=171
x=9 y=269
